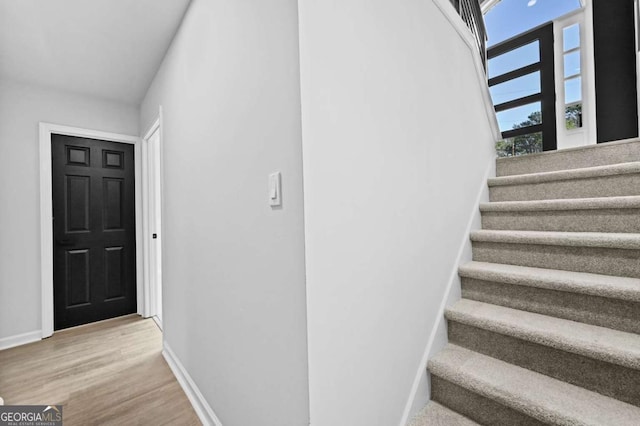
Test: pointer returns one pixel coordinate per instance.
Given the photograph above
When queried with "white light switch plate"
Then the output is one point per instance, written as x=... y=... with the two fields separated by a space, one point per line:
x=275 y=190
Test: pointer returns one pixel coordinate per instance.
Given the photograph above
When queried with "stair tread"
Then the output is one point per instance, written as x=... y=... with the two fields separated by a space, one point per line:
x=575 y=239
x=626 y=202
x=434 y=414
x=544 y=398
x=554 y=279
x=559 y=175
x=604 y=344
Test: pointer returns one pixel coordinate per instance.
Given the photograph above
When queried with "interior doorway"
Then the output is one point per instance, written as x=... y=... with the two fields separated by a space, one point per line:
x=152 y=181
x=47 y=242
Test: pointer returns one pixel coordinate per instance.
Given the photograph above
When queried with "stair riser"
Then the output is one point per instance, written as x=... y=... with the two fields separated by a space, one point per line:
x=605 y=378
x=606 y=186
x=602 y=155
x=601 y=311
x=621 y=220
x=607 y=261
x=477 y=407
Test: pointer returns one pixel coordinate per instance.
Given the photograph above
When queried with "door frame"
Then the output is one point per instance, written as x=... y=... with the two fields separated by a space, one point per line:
x=149 y=309
x=46 y=212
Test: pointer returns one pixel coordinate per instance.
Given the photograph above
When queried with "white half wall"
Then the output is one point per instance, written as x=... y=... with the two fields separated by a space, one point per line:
x=396 y=144
x=22 y=108
x=233 y=267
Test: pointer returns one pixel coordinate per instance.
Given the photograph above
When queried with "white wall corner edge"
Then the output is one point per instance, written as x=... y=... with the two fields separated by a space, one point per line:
x=419 y=394
x=20 y=339
x=202 y=408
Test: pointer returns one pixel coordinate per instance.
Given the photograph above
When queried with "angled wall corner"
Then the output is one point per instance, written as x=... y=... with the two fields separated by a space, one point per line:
x=234 y=301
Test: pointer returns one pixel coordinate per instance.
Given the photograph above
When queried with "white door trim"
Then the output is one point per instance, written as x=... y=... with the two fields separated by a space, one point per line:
x=148 y=308
x=46 y=212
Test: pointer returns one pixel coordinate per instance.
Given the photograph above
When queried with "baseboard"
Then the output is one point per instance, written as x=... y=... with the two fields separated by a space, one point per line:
x=439 y=328
x=157 y=321
x=20 y=339
x=200 y=405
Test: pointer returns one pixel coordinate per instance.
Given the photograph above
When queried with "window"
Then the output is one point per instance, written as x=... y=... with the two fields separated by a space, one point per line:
x=521 y=83
x=572 y=73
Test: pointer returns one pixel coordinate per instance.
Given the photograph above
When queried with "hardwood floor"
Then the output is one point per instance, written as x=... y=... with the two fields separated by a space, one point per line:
x=106 y=373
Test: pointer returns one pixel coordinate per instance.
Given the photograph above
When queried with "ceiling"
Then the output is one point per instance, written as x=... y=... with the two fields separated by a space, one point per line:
x=106 y=48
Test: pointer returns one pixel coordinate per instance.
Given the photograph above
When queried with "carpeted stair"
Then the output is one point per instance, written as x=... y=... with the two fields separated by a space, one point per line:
x=548 y=328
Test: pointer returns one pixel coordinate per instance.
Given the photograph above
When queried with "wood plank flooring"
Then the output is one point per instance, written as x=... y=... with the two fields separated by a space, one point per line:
x=107 y=373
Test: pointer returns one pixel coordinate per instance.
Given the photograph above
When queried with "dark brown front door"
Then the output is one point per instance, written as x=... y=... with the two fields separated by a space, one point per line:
x=94 y=271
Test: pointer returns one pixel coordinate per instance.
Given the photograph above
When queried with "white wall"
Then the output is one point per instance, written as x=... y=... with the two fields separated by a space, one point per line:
x=396 y=145
x=233 y=277
x=22 y=107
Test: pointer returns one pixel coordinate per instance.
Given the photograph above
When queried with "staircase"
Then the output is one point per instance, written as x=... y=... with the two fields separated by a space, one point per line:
x=548 y=328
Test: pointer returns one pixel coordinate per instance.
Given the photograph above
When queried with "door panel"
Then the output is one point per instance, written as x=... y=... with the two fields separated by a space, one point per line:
x=77 y=201
x=77 y=277
x=113 y=279
x=112 y=203
x=94 y=230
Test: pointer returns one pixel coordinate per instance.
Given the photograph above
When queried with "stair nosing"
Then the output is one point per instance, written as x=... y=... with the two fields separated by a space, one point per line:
x=598 y=285
x=626 y=241
x=601 y=343
x=569 y=174
x=550 y=406
x=596 y=203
